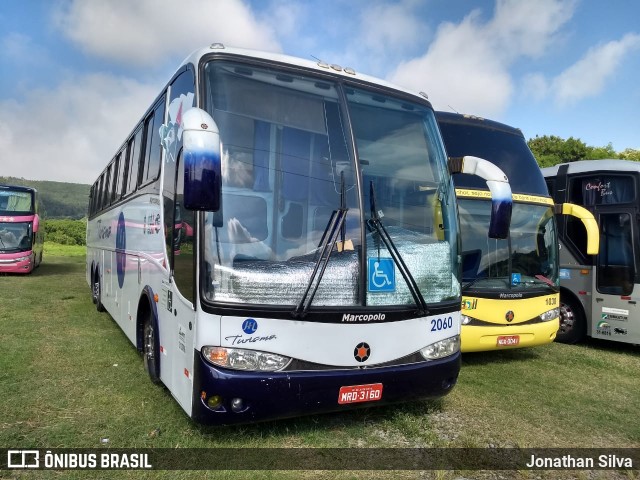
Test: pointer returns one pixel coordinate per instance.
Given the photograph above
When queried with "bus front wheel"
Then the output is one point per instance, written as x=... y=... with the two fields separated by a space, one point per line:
x=572 y=323
x=150 y=351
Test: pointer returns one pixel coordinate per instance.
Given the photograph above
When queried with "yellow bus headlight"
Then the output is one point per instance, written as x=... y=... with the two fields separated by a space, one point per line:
x=550 y=315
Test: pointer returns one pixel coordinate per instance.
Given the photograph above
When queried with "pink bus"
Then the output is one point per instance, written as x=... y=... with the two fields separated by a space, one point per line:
x=21 y=231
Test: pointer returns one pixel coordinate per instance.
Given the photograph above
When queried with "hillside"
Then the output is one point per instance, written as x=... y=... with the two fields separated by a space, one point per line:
x=58 y=199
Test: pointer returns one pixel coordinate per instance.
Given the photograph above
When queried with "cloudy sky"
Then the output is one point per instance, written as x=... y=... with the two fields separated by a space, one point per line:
x=76 y=75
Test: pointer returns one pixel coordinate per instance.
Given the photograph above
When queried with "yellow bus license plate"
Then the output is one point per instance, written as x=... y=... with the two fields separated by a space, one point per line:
x=508 y=340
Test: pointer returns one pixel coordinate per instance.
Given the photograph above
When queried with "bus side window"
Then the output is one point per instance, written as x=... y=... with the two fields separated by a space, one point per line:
x=133 y=151
x=153 y=152
x=107 y=187
x=616 y=269
x=180 y=100
x=184 y=257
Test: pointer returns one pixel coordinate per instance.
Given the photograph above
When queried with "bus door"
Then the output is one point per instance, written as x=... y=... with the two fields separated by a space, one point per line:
x=181 y=295
x=615 y=309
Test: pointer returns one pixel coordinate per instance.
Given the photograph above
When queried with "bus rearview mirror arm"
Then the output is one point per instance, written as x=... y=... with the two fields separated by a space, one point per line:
x=588 y=220
x=202 y=163
x=498 y=184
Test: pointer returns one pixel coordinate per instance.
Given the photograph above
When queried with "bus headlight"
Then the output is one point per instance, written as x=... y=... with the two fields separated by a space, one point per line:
x=465 y=319
x=550 y=315
x=248 y=360
x=442 y=349
x=23 y=259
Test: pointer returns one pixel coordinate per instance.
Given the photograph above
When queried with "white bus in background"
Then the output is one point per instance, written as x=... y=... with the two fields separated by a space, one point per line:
x=279 y=237
x=599 y=294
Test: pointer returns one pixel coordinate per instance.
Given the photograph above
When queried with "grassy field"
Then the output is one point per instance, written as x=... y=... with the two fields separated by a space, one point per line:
x=70 y=378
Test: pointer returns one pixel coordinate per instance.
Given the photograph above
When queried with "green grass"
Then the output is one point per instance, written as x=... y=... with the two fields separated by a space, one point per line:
x=56 y=250
x=70 y=378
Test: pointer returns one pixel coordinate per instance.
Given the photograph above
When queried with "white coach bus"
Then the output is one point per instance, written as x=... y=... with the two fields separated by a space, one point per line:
x=599 y=293
x=279 y=237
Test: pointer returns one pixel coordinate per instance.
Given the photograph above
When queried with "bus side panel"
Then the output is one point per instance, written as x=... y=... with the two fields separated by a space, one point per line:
x=616 y=318
x=577 y=279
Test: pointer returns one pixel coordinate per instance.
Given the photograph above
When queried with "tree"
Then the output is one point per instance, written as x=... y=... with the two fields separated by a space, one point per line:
x=550 y=150
x=630 y=154
x=598 y=153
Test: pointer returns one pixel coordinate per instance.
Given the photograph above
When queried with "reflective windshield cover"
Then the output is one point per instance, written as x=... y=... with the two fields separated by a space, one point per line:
x=292 y=183
x=15 y=237
x=525 y=260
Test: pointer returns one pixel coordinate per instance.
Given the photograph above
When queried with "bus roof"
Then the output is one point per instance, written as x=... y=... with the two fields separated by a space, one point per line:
x=586 y=166
x=18 y=188
x=465 y=119
x=501 y=144
x=319 y=65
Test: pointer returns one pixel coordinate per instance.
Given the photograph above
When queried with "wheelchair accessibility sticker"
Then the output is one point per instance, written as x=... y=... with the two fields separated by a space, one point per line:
x=382 y=275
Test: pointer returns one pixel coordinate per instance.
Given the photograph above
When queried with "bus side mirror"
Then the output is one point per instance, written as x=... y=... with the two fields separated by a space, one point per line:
x=36 y=223
x=498 y=183
x=202 y=167
x=588 y=220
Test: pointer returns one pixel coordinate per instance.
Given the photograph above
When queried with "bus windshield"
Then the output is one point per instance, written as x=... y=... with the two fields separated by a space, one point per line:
x=526 y=259
x=290 y=168
x=14 y=201
x=15 y=236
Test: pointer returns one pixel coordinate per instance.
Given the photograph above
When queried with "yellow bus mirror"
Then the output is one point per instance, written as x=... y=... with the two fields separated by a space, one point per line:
x=589 y=222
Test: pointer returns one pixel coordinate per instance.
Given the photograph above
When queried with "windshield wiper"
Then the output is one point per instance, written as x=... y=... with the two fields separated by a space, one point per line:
x=375 y=224
x=335 y=227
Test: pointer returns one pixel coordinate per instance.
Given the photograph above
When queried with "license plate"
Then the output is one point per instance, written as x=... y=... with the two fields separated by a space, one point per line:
x=508 y=340
x=360 y=393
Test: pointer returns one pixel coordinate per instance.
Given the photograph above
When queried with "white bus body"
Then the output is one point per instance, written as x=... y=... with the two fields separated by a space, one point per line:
x=279 y=237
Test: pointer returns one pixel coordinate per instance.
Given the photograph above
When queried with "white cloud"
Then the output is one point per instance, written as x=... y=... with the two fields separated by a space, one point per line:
x=146 y=31
x=587 y=77
x=535 y=85
x=389 y=26
x=467 y=64
x=521 y=28
x=70 y=133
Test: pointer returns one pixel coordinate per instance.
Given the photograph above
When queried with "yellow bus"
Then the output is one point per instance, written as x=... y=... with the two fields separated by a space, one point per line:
x=510 y=287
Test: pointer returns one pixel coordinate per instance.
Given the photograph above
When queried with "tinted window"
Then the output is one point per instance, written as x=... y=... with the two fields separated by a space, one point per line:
x=12 y=201
x=116 y=175
x=616 y=270
x=107 y=187
x=134 y=148
x=98 y=200
x=122 y=165
x=181 y=100
x=506 y=148
x=153 y=151
x=602 y=190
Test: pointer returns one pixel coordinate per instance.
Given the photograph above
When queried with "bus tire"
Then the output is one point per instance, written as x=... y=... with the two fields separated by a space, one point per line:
x=572 y=321
x=94 y=298
x=150 y=350
x=97 y=292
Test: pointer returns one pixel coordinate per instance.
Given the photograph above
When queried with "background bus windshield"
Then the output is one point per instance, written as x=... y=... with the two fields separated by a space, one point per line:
x=12 y=201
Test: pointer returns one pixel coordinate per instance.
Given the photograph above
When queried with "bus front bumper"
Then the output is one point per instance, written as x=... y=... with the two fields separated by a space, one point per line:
x=21 y=262
x=501 y=337
x=275 y=395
